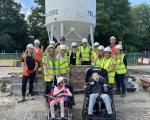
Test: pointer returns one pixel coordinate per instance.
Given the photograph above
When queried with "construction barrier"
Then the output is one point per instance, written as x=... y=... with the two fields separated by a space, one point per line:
x=144 y=61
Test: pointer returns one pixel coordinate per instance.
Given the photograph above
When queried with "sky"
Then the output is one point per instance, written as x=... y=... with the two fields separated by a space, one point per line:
x=27 y=4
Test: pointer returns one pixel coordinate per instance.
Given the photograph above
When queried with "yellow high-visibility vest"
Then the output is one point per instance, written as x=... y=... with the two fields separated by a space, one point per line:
x=50 y=69
x=120 y=66
x=94 y=55
x=107 y=65
x=97 y=62
x=63 y=64
x=85 y=53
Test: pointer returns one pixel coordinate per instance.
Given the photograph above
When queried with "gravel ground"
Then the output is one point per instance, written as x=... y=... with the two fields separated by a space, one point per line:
x=136 y=106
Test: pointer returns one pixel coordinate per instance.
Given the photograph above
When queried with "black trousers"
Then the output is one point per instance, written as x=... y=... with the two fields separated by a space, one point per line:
x=24 y=84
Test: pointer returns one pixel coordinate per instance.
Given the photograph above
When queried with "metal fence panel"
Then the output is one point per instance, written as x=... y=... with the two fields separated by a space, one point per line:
x=15 y=58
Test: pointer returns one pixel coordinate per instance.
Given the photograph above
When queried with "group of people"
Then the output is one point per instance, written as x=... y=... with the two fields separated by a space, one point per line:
x=56 y=60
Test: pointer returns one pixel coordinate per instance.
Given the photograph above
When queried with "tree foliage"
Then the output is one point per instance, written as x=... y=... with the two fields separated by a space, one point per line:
x=37 y=22
x=13 y=27
x=141 y=15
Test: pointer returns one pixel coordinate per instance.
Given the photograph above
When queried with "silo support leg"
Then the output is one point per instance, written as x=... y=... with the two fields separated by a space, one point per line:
x=62 y=29
x=52 y=32
x=92 y=36
x=49 y=37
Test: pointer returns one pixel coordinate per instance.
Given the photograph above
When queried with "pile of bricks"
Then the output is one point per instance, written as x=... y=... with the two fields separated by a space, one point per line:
x=77 y=76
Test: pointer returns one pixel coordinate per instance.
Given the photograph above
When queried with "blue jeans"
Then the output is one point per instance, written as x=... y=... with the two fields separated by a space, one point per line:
x=120 y=82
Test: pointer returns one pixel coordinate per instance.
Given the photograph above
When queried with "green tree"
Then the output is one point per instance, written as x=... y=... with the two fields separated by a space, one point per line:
x=141 y=15
x=113 y=18
x=37 y=21
x=13 y=27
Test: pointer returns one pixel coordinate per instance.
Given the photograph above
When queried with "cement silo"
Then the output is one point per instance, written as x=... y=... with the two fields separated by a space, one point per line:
x=74 y=19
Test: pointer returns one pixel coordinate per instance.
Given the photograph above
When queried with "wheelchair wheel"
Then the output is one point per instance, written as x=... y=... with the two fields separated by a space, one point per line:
x=84 y=110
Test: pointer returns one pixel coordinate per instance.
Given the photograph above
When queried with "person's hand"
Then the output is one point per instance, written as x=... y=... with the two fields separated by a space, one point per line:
x=63 y=88
x=25 y=69
x=61 y=94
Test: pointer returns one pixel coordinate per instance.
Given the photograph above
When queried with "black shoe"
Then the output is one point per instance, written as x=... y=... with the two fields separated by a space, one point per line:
x=109 y=115
x=53 y=119
x=89 y=117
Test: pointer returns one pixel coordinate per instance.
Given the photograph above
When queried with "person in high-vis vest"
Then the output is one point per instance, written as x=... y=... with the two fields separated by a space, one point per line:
x=109 y=65
x=63 y=62
x=38 y=52
x=94 y=52
x=85 y=51
x=121 y=69
x=61 y=42
x=29 y=65
x=50 y=67
x=74 y=55
x=97 y=62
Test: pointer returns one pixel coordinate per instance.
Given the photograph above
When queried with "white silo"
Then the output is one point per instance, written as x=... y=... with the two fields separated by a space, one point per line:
x=74 y=19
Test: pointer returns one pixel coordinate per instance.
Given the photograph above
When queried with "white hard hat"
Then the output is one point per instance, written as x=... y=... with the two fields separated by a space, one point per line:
x=118 y=47
x=52 y=42
x=30 y=46
x=107 y=49
x=112 y=38
x=96 y=44
x=63 y=47
x=36 y=41
x=84 y=40
x=101 y=47
x=59 y=79
x=74 y=44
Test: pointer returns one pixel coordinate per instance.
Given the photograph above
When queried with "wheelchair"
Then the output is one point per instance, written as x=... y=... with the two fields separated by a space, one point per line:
x=68 y=105
x=99 y=110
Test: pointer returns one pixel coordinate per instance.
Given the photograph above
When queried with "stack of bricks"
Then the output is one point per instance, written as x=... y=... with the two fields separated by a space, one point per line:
x=77 y=76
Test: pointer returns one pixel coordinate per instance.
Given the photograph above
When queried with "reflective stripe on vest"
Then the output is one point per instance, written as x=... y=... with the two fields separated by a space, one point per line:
x=120 y=66
x=85 y=53
x=50 y=70
x=107 y=65
x=77 y=57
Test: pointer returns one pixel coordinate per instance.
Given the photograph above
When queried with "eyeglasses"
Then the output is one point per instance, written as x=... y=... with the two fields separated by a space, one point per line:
x=74 y=47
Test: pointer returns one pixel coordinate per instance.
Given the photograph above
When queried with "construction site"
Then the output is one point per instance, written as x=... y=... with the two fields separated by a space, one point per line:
x=84 y=60
x=136 y=105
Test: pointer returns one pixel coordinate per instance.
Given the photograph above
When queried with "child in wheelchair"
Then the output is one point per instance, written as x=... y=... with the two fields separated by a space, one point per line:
x=97 y=89
x=59 y=95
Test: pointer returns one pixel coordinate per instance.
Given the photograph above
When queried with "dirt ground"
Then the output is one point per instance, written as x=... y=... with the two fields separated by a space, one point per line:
x=135 y=106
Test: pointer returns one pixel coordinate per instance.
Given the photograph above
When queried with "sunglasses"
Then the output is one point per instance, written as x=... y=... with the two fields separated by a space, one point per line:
x=62 y=82
x=74 y=46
